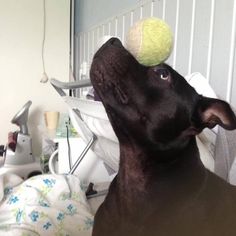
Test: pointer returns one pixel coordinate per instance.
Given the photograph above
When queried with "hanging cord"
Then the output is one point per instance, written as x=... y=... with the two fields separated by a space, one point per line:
x=68 y=144
x=44 y=78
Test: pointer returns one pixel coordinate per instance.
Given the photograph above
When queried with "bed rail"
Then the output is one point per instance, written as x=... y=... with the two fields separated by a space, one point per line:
x=61 y=86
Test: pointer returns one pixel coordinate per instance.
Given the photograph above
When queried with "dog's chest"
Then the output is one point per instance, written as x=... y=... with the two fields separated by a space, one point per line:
x=208 y=212
x=191 y=220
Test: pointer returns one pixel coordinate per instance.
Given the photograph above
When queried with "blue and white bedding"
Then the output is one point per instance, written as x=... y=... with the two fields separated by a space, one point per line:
x=43 y=205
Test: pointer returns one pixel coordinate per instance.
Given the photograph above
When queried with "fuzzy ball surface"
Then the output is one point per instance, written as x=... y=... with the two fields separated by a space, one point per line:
x=150 y=41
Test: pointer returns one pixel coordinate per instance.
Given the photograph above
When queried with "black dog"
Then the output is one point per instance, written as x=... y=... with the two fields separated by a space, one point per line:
x=161 y=188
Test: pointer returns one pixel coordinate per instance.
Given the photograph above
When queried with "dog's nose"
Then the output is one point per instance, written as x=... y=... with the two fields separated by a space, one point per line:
x=111 y=42
x=115 y=42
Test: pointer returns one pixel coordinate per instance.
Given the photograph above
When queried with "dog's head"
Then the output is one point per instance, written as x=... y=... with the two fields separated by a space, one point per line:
x=152 y=105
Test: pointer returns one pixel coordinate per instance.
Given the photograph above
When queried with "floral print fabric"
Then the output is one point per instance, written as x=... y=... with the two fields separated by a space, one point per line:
x=45 y=205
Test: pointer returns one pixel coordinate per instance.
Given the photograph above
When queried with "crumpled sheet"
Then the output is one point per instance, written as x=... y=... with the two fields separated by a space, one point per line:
x=43 y=205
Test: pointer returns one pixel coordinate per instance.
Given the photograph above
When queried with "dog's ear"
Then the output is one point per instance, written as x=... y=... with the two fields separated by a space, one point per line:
x=212 y=112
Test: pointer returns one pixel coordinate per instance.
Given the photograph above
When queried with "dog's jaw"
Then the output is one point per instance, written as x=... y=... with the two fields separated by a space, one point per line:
x=109 y=66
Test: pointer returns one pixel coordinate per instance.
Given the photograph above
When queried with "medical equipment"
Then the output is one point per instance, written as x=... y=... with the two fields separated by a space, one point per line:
x=17 y=154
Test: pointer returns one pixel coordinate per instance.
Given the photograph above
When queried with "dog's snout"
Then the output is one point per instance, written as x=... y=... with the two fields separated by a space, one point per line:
x=111 y=42
x=115 y=42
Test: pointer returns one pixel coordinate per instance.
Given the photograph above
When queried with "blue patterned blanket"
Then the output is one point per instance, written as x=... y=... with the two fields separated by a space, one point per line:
x=43 y=205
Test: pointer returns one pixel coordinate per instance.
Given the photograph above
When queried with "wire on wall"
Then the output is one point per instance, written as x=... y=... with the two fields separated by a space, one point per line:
x=44 y=78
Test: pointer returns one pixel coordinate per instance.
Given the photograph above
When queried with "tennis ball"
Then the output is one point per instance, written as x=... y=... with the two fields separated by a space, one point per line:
x=150 y=41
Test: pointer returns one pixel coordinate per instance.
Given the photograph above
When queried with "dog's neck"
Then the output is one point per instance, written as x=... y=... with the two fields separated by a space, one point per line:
x=142 y=170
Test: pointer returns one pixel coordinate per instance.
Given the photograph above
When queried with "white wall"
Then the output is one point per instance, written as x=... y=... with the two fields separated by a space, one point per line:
x=21 y=32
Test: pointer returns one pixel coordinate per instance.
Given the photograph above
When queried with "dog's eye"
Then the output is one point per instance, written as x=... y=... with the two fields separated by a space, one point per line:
x=162 y=73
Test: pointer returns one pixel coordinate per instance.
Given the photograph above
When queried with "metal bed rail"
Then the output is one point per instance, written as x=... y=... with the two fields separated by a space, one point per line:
x=60 y=87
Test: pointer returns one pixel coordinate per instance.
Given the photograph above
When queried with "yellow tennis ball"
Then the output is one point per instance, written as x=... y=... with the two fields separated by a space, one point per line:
x=150 y=41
